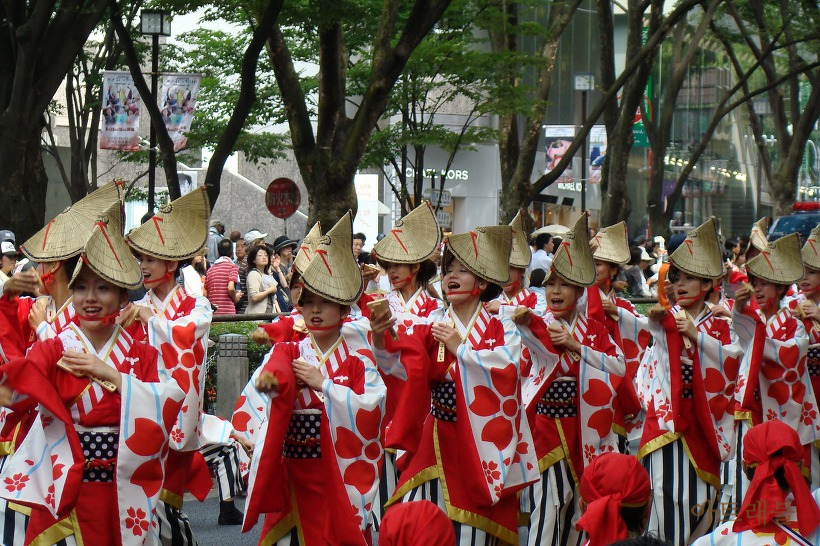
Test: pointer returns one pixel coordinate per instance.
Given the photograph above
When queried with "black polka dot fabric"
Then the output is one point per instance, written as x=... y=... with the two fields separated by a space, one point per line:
x=443 y=404
x=687 y=376
x=814 y=360
x=100 y=453
x=302 y=440
x=560 y=400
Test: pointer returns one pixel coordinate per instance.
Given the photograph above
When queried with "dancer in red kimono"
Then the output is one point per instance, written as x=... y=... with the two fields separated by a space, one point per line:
x=91 y=467
x=779 y=507
x=472 y=449
x=176 y=323
x=315 y=469
x=773 y=382
x=23 y=320
x=628 y=328
x=687 y=383
x=569 y=392
x=405 y=255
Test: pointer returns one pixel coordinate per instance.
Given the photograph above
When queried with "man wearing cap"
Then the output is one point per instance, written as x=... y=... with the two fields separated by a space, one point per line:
x=8 y=260
x=284 y=247
x=177 y=324
x=216 y=234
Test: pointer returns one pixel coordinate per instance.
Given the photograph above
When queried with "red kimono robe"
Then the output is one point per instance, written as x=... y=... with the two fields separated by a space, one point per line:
x=315 y=470
x=47 y=471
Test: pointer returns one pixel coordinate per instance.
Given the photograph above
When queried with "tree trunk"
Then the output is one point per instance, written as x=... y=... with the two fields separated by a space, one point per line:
x=331 y=194
x=22 y=208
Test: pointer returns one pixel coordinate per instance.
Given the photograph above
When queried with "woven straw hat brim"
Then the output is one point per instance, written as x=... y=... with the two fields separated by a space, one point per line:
x=758 y=236
x=333 y=272
x=521 y=253
x=485 y=251
x=780 y=262
x=107 y=254
x=177 y=231
x=811 y=250
x=414 y=238
x=613 y=244
x=699 y=255
x=573 y=260
x=307 y=248
x=65 y=236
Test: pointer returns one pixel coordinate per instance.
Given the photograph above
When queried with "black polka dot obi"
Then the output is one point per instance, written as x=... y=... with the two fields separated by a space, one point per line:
x=814 y=360
x=100 y=448
x=443 y=405
x=560 y=400
x=687 y=377
x=303 y=440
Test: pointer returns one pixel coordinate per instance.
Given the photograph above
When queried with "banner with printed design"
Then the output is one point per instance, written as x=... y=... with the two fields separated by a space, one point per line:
x=177 y=102
x=120 y=113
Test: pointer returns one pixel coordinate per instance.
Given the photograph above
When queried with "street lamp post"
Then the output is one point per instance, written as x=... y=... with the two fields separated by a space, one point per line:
x=154 y=23
x=584 y=82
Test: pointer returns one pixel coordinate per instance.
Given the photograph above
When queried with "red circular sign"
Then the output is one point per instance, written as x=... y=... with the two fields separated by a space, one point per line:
x=283 y=198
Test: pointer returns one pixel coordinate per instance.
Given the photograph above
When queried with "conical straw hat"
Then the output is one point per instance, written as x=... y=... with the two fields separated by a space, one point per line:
x=308 y=247
x=573 y=260
x=699 y=255
x=107 y=254
x=333 y=272
x=177 y=231
x=780 y=262
x=811 y=250
x=413 y=240
x=66 y=235
x=611 y=244
x=485 y=251
x=758 y=236
x=521 y=253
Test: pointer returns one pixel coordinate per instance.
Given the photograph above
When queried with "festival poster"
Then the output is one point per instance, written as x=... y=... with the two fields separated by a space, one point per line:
x=120 y=113
x=558 y=139
x=177 y=102
x=597 y=153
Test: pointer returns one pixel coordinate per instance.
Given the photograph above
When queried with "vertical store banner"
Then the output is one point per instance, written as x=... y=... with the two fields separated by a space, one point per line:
x=177 y=101
x=120 y=113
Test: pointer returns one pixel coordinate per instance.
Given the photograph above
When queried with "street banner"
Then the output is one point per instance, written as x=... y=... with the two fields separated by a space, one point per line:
x=120 y=113
x=177 y=101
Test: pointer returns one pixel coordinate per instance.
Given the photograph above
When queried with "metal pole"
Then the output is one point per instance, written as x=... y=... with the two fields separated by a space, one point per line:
x=152 y=139
x=584 y=153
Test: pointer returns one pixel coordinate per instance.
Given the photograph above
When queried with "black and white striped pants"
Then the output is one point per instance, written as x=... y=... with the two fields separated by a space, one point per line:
x=223 y=460
x=12 y=523
x=683 y=505
x=553 y=508
x=174 y=527
x=465 y=535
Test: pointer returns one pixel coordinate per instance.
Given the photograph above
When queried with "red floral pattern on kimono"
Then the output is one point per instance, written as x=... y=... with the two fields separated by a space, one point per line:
x=46 y=472
x=630 y=332
x=179 y=329
x=318 y=491
x=16 y=336
x=706 y=420
x=486 y=454
x=598 y=371
x=782 y=377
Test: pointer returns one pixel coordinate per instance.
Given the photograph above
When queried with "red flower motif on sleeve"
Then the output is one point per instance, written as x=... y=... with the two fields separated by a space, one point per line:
x=136 y=521
x=16 y=482
x=500 y=399
x=366 y=449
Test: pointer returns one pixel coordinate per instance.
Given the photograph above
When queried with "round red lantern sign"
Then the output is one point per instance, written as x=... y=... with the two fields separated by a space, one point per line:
x=283 y=198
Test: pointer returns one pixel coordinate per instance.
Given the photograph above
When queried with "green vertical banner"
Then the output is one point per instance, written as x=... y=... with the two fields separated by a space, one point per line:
x=638 y=130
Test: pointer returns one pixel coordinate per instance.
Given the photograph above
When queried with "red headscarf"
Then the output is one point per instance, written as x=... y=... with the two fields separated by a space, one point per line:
x=609 y=483
x=416 y=522
x=764 y=499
